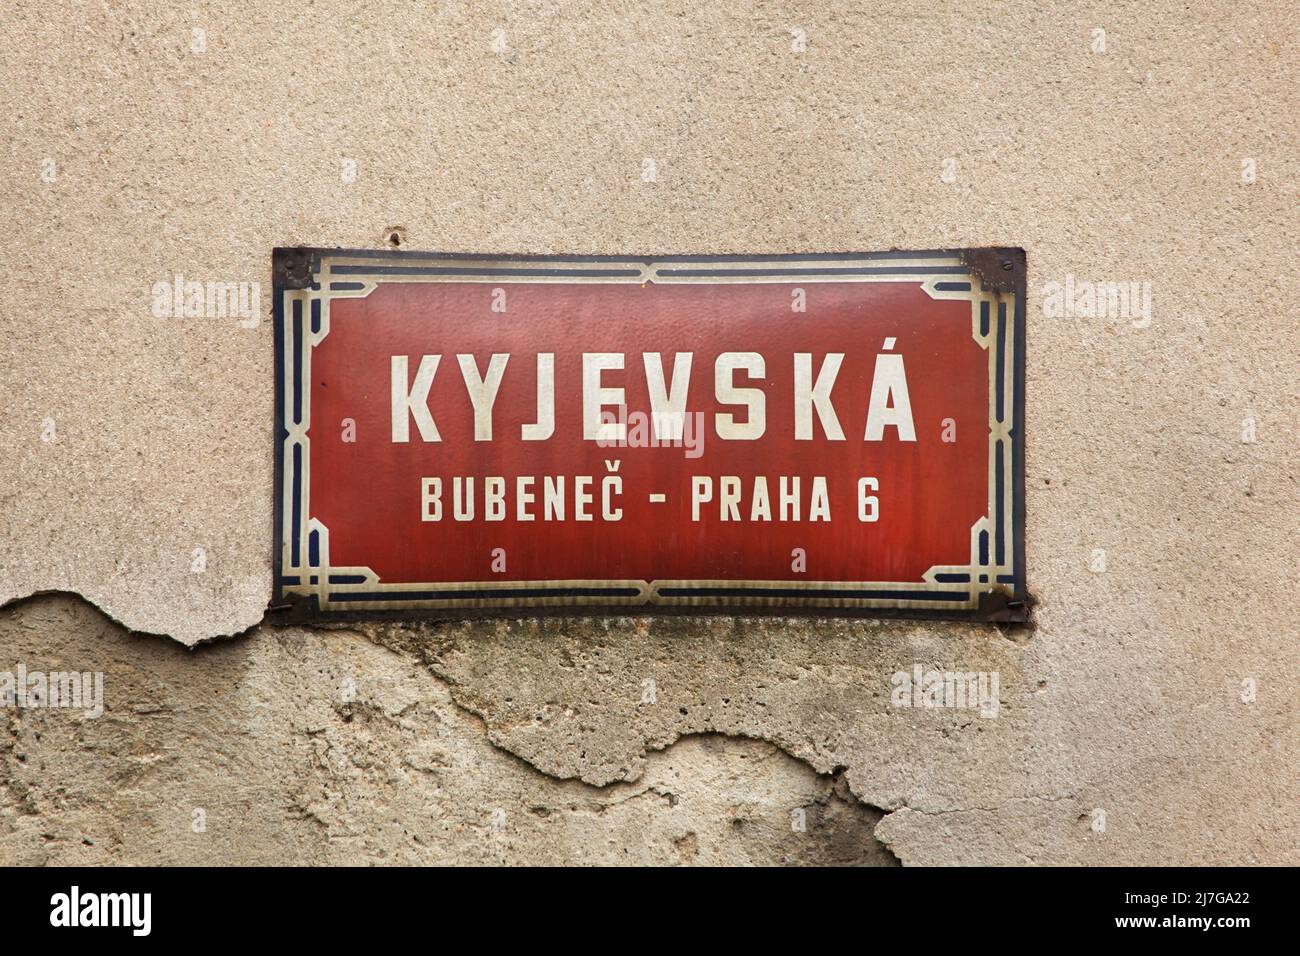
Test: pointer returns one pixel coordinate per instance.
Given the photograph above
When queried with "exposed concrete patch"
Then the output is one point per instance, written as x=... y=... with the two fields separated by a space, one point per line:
x=570 y=698
x=301 y=746
x=589 y=699
x=316 y=746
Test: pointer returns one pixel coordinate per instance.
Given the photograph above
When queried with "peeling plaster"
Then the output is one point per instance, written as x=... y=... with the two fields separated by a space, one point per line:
x=281 y=757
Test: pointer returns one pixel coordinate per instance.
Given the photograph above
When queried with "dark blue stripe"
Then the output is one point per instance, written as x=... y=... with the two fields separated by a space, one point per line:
x=297 y=499
x=804 y=256
x=297 y=361
x=1002 y=351
x=952 y=286
x=1001 y=545
x=470 y=271
x=814 y=594
x=474 y=593
x=846 y=271
x=646 y=260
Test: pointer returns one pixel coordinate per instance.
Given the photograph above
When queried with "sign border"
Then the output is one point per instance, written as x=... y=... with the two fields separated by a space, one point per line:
x=305 y=279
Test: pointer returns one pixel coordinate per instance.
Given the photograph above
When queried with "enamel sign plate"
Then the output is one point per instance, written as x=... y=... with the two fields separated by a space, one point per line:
x=464 y=434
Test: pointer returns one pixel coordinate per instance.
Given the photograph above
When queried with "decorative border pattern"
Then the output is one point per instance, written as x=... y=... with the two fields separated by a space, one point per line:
x=990 y=586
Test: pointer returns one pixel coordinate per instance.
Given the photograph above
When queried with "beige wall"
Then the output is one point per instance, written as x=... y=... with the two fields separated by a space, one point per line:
x=131 y=441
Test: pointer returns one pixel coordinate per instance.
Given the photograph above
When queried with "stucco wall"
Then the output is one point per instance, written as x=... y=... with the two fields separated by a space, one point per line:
x=1148 y=715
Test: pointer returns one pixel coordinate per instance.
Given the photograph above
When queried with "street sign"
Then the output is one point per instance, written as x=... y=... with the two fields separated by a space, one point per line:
x=463 y=434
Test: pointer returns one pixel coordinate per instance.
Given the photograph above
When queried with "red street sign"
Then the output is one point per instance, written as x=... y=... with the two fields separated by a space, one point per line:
x=834 y=433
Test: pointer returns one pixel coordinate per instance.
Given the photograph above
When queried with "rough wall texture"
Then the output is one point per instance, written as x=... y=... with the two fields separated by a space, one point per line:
x=1149 y=715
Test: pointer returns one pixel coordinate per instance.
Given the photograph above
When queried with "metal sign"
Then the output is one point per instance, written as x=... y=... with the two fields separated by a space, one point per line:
x=825 y=433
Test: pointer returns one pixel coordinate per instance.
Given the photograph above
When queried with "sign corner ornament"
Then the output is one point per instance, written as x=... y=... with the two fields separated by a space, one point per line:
x=463 y=434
